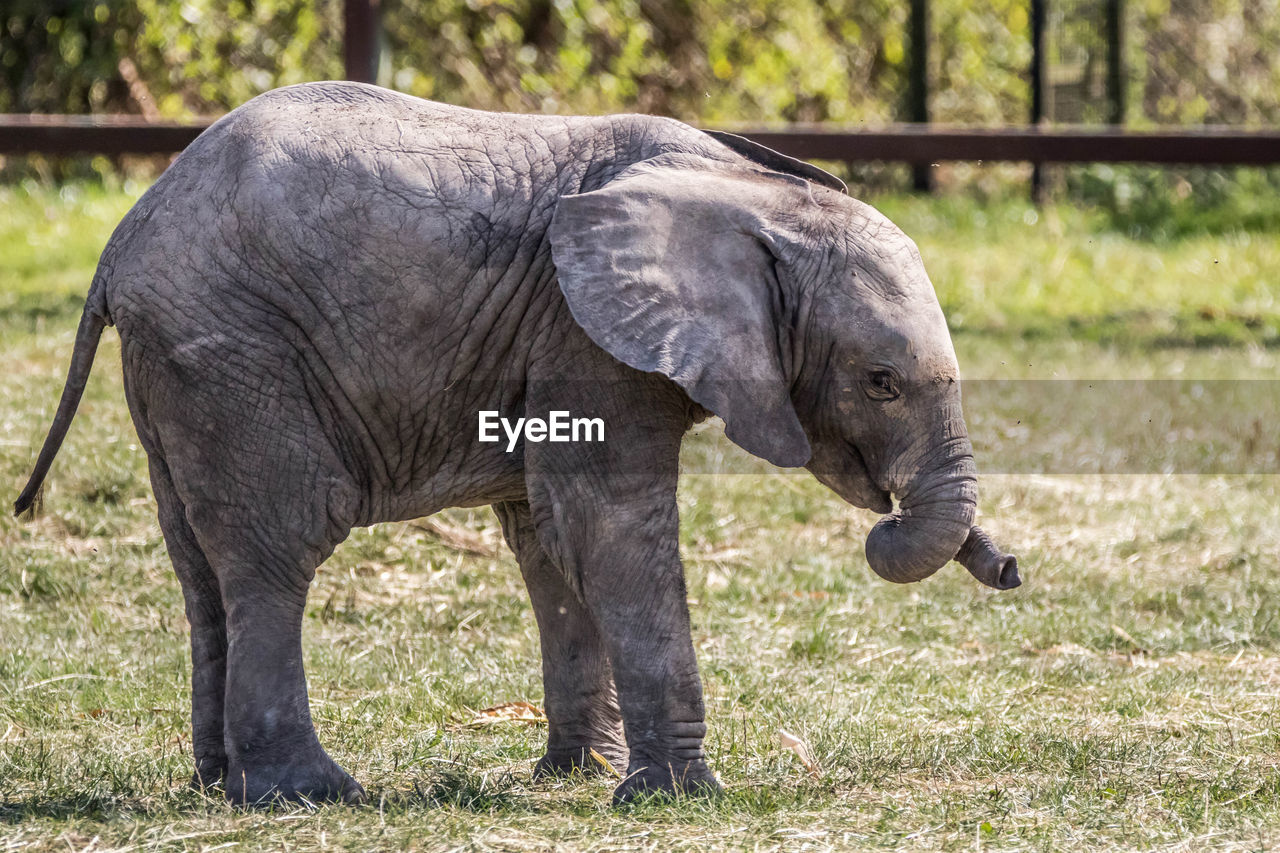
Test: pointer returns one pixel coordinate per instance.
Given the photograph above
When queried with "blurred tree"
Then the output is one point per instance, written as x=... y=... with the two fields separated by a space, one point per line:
x=1191 y=61
x=715 y=60
x=1207 y=61
x=61 y=56
x=191 y=56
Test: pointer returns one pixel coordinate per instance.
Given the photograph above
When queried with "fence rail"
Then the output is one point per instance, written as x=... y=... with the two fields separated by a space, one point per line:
x=917 y=144
x=59 y=135
x=934 y=143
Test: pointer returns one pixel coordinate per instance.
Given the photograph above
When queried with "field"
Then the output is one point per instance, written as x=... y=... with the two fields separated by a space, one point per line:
x=1126 y=696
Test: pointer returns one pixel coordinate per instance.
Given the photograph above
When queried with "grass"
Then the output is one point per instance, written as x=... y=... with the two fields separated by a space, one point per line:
x=1011 y=270
x=1124 y=697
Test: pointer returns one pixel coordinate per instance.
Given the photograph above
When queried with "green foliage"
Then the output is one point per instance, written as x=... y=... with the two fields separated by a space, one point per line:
x=1188 y=62
x=1205 y=61
x=981 y=53
x=719 y=60
x=63 y=57
x=743 y=60
x=204 y=56
x=1141 y=278
x=192 y=57
x=1191 y=61
x=68 y=223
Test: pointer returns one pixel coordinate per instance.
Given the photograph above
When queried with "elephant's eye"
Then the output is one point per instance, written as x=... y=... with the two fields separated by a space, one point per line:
x=880 y=385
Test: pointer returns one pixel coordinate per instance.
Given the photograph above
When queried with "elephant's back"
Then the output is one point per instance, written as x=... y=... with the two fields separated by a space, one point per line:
x=391 y=194
x=316 y=140
x=352 y=197
x=340 y=158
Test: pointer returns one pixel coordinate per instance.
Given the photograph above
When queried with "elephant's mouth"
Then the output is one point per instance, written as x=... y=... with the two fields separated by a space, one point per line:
x=881 y=499
x=847 y=474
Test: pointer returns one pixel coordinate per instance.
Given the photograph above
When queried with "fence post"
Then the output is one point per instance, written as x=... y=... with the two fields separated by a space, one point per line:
x=1039 y=61
x=1115 y=62
x=918 y=85
x=360 y=40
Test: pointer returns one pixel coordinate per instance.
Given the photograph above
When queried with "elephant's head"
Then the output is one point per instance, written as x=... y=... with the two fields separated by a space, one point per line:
x=805 y=320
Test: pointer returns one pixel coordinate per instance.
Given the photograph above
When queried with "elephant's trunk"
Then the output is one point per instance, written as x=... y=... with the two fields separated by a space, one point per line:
x=988 y=563
x=933 y=518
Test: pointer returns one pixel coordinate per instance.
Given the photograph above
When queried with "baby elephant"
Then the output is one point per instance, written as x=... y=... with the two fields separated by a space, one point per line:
x=323 y=293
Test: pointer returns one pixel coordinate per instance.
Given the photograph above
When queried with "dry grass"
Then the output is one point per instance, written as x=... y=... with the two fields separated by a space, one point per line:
x=1124 y=697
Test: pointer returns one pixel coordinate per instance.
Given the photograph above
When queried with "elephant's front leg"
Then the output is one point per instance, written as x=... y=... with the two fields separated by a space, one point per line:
x=581 y=705
x=633 y=582
x=606 y=515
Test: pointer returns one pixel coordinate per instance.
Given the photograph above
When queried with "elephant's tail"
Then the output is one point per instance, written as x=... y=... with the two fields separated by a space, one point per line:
x=92 y=322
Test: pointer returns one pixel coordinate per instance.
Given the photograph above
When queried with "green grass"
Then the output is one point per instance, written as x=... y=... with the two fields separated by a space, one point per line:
x=1124 y=697
x=1009 y=269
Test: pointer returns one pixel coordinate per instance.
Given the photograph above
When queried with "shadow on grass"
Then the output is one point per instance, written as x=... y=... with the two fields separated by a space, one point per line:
x=494 y=794
x=465 y=789
x=459 y=789
x=505 y=792
x=447 y=787
x=111 y=806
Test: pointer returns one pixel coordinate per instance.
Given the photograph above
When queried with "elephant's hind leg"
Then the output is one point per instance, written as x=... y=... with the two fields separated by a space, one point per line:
x=272 y=748
x=265 y=563
x=266 y=510
x=208 y=623
x=581 y=704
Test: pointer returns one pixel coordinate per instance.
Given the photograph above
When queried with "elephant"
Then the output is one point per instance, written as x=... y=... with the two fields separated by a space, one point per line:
x=321 y=292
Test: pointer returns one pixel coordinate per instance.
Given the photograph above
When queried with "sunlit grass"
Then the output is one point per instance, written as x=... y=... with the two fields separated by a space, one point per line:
x=1124 y=697
x=1011 y=269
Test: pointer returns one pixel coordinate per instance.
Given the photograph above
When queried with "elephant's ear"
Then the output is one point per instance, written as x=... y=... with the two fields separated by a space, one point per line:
x=779 y=162
x=667 y=270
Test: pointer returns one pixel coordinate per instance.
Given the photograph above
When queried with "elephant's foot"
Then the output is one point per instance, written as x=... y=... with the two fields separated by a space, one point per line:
x=315 y=778
x=210 y=772
x=683 y=779
x=569 y=761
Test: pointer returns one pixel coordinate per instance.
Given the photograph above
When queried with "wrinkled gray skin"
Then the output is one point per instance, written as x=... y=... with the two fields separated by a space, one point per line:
x=318 y=296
